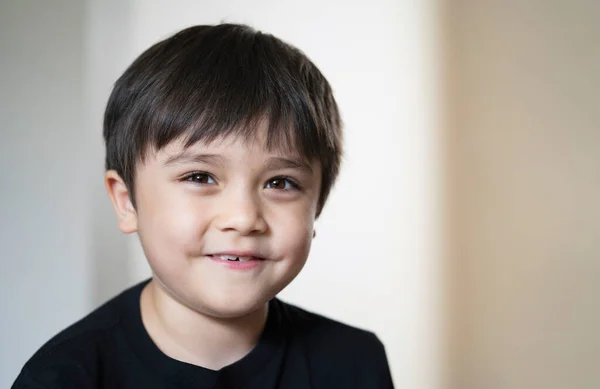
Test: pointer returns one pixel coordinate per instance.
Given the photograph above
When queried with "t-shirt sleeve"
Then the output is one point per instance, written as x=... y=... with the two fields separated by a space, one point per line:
x=23 y=381
x=53 y=377
x=384 y=375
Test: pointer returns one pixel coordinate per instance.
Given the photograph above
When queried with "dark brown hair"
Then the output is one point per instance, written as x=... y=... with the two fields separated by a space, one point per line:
x=207 y=82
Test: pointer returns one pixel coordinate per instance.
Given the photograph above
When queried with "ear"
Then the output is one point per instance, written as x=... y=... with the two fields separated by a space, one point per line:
x=119 y=195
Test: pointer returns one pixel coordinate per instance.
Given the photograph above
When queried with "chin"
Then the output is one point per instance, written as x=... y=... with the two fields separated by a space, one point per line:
x=230 y=307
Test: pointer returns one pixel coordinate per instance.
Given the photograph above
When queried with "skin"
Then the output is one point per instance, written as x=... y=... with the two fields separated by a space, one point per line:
x=196 y=309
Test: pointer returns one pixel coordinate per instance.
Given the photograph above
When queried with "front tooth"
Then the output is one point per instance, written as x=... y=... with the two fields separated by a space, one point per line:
x=228 y=257
x=244 y=259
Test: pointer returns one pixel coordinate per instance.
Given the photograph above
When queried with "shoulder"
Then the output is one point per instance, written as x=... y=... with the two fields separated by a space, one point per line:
x=326 y=332
x=334 y=348
x=70 y=358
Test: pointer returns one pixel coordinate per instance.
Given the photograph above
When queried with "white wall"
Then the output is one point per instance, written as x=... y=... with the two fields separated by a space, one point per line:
x=374 y=260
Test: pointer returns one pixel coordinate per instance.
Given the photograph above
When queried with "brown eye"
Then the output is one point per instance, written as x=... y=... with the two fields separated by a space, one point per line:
x=277 y=183
x=200 y=178
x=281 y=183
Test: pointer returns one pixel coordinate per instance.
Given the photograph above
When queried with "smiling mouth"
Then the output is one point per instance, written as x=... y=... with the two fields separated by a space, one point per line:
x=234 y=258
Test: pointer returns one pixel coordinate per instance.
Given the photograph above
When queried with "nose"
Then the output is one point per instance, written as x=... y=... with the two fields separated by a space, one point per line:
x=242 y=213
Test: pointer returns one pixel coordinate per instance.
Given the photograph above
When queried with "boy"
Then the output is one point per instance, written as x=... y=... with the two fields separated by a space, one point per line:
x=222 y=145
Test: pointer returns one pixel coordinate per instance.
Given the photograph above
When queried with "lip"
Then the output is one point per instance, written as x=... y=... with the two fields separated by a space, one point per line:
x=238 y=253
x=255 y=260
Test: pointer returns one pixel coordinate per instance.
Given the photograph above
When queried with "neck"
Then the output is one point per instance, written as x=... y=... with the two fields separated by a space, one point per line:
x=187 y=335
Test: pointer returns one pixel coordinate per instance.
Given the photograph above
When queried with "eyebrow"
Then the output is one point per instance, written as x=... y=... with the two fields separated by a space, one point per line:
x=210 y=159
x=275 y=163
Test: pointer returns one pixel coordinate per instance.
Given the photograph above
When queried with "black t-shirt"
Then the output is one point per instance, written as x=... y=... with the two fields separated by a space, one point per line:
x=110 y=348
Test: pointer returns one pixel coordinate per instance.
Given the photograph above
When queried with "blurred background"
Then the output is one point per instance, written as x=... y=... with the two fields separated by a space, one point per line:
x=464 y=229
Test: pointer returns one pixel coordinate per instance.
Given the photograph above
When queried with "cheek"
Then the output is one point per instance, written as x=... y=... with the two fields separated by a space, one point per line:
x=293 y=235
x=168 y=223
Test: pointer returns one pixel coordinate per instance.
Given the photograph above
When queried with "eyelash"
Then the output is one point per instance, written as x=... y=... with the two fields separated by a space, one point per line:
x=189 y=177
x=292 y=183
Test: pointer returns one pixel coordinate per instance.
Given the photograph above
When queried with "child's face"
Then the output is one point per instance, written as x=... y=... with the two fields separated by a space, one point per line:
x=229 y=196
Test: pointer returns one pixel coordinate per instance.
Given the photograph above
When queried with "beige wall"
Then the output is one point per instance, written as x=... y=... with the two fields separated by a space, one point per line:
x=523 y=99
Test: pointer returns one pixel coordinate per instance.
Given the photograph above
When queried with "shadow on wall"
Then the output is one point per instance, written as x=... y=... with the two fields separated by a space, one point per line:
x=110 y=254
x=107 y=55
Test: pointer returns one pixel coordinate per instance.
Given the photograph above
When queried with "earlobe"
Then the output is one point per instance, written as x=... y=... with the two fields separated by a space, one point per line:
x=119 y=195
